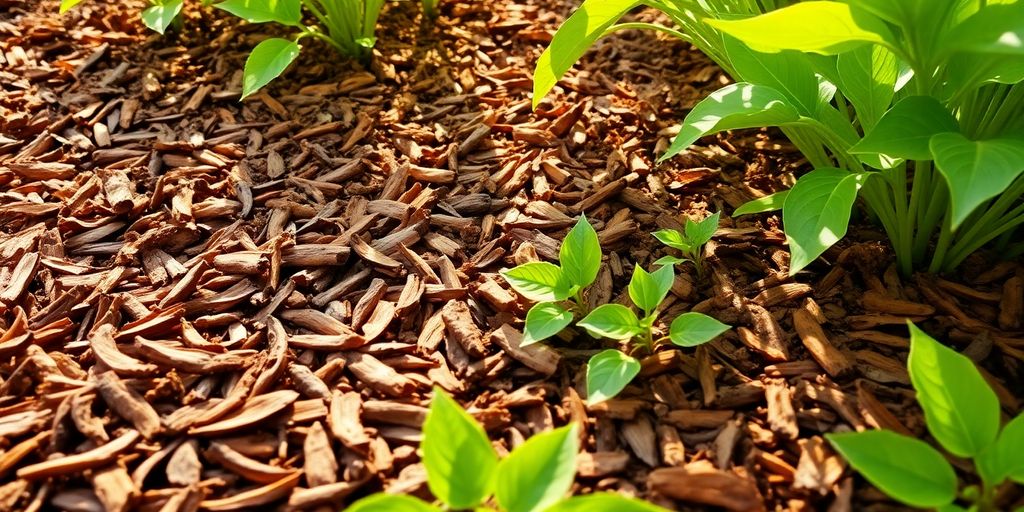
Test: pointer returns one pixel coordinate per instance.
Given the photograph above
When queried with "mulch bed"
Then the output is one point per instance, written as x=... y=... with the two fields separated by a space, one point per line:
x=215 y=305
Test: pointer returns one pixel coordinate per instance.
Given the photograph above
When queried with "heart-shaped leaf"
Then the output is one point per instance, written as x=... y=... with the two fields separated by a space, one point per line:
x=608 y=373
x=544 y=320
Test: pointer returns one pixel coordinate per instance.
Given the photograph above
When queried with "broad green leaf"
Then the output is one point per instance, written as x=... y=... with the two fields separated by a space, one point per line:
x=994 y=29
x=907 y=469
x=613 y=321
x=608 y=373
x=604 y=502
x=648 y=289
x=544 y=320
x=960 y=409
x=457 y=454
x=906 y=129
x=160 y=16
x=692 y=329
x=67 y=5
x=580 y=254
x=827 y=28
x=867 y=77
x=266 y=62
x=573 y=39
x=285 y=12
x=700 y=233
x=769 y=203
x=976 y=171
x=1006 y=457
x=817 y=212
x=732 y=107
x=670 y=260
x=538 y=281
x=381 y=502
x=791 y=74
x=539 y=472
x=672 y=238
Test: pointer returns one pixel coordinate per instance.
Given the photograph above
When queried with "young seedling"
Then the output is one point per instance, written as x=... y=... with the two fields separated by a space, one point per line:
x=690 y=242
x=610 y=371
x=962 y=413
x=552 y=286
x=465 y=473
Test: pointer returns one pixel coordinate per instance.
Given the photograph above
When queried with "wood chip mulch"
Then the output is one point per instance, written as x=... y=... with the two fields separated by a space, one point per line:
x=214 y=305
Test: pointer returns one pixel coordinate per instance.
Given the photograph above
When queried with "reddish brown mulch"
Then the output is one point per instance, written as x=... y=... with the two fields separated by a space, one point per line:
x=220 y=305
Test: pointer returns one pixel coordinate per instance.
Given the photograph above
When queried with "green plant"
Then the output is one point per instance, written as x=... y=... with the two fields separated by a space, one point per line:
x=346 y=25
x=157 y=17
x=912 y=105
x=609 y=371
x=962 y=413
x=464 y=472
x=690 y=242
x=430 y=8
x=553 y=285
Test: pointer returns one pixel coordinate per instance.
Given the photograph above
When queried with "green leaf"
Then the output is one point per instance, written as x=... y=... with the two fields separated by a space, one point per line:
x=867 y=77
x=735 y=106
x=266 y=62
x=791 y=74
x=905 y=468
x=608 y=373
x=381 y=502
x=573 y=39
x=906 y=129
x=769 y=203
x=580 y=254
x=285 y=12
x=995 y=29
x=673 y=239
x=67 y=5
x=817 y=212
x=604 y=502
x=960 y=409
x=827 y=28
x=544 y=320
x=457 y=454
x=613 y=321
x=648 y=289
x=1009 y=449
x=160 y=16
x=538 y=281
x=670 y=260
x=976 y=171
x=539 y=472
x=692 y=329
x=700 y=233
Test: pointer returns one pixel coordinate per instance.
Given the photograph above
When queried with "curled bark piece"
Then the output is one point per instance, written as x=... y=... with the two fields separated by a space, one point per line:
x=97 y=457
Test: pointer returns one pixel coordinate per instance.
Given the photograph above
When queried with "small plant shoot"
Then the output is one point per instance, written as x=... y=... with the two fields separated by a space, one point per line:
x=465 y=473
x=690 y=242
x=551 y=286
x=610 y=371
x=962 y=413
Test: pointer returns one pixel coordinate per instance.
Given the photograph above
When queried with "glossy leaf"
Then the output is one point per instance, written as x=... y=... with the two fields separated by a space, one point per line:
x=1004 y=458
x=544 y=320
x=160 y=16
x=457 y=454
x=266 y=62
x=907 y=469
x=539 y=472
x=733 y=107
x=670 y=260
x=538 y=281
x=867 y=77
x=613 y=321
x=673 y=239
x=604 y=502
x=960 y=409
x=827 y=28
x=608 y=373
x=572 y=40
x=700 y=232
x=976 y=171
x=648 y=289
x=817 y=212
x=580 y=254
x=769 y=203
x=391 y=503
x=994 y=29
x=692 y=329
x=285 y=12
x=905 y=131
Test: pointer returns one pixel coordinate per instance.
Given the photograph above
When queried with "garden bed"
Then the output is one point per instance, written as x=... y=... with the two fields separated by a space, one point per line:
x=278 y=283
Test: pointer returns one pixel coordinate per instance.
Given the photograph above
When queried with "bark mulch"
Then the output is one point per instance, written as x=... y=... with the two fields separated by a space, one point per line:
x=207 y=304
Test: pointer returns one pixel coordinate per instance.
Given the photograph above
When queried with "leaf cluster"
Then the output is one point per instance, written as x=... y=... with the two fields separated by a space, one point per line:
x=690 y=242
